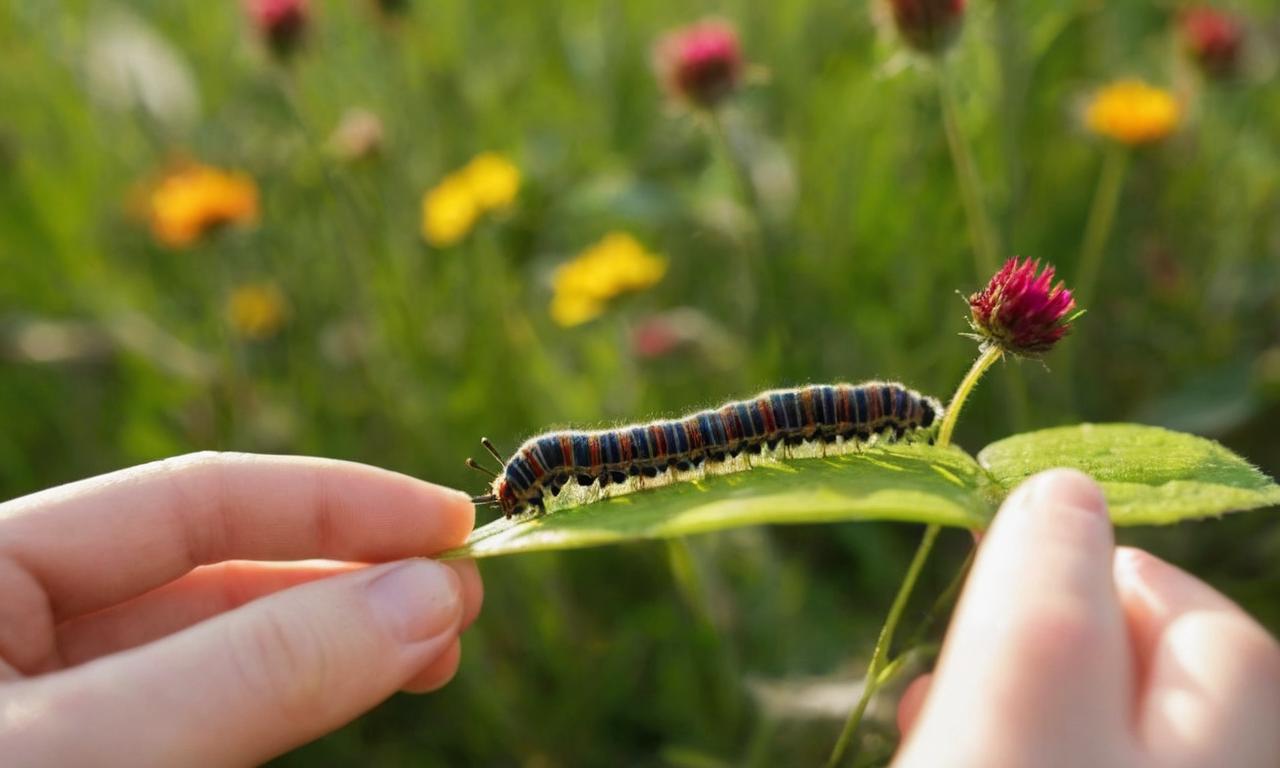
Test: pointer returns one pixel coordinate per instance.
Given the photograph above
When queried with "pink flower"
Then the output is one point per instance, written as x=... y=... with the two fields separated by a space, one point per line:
x=656 y=337
x=1021 y=310
x=929 y=26
x=701 y=63
x=280 y=22
x=1213 y=38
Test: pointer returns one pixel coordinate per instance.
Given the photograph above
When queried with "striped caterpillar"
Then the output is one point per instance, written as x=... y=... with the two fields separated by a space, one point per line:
x=854 y=414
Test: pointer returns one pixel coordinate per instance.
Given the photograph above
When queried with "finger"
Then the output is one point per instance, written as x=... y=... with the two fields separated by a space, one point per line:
x=254 y=682
x=1038 y=637
x=100 y=541
x=912 y=700
x=1211 y=673
x=1155 y=593
x=205 y=592
x=437 y=673
x=208 y=591
x=472 y=589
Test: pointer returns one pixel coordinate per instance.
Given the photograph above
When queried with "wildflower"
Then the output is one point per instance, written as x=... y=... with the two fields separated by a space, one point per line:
x=358 y=135
x=1132 y=112
x=449 y=210
x=195 y=199
x=256 y=311
x=280 y=22
x=700 y=64
x=493 y=179
x=929 y=26
x=615 y=265
x=1213 y=38
x=1021 y=311
x=656 y=337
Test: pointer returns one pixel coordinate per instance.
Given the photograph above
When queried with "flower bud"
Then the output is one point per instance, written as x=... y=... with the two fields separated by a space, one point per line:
x=280 y=22
x=929 y=26
x=1213 y=38
x=700 y=64
x=1021 y=310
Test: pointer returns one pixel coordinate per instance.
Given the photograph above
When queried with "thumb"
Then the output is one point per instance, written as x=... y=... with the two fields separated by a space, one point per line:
x=253 y=682
x=1037 y=649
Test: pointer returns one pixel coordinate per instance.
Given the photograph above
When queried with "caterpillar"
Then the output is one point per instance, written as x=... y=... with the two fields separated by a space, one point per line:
x=854 y=414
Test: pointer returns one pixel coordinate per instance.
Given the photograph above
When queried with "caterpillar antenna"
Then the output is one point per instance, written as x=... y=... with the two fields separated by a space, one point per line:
x=488 y=498
x=488 y=446
x=485 y=470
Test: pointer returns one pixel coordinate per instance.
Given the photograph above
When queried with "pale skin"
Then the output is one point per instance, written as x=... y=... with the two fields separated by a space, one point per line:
x=169 y=615
x=217 y=609
x=1068 y=651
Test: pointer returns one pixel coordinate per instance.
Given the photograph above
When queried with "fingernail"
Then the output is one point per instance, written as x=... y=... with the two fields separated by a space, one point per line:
x=418 y=600
x=1066 y=488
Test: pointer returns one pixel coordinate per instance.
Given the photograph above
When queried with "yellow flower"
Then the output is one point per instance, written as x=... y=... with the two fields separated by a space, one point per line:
x=615 y=265
x=197 y=198
x=494 y=180
x=1132 y=112
x=448 y=212
x=256 y=310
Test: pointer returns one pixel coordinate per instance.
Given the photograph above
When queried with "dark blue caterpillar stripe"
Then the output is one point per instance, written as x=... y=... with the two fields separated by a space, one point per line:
x=828 y=413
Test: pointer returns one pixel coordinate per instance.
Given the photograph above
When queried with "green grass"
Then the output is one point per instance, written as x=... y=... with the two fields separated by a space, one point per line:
x=403 y=356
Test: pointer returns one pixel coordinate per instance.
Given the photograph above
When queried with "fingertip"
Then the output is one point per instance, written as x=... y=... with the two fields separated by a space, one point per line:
x=454 y=512
x=472 y=589
x=912 y=702
x=438 y=672
x=1069 y=488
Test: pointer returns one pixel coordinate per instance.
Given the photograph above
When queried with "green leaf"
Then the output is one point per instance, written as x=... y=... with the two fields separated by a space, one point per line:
x=911 y=483
x=1150 y=475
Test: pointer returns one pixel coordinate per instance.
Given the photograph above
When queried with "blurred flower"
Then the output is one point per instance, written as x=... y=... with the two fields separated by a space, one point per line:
x=1021 y=311
x=358 y=135
x=256 y=311
x=1213 y=38
x=1132 y=112
x=615 y=265
x=684 y=328
x=451 y=208
x=493 y=179
x=280 y=22
x=657 y=336
x=195 y=198
x=929 y=26
x=448 y=212
x=129 y=65
x=701 y=63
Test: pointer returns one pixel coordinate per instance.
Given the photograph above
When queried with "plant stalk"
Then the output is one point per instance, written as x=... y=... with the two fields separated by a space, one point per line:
x=1102 y=214
x=981 y=238
x=880 y=656
x=989 y=356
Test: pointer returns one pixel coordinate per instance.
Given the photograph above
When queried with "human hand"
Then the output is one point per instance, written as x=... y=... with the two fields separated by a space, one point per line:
x=137 y=626
x=1065 y=650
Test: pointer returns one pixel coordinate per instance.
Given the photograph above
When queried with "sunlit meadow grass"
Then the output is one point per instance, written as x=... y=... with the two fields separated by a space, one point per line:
x=363 y=336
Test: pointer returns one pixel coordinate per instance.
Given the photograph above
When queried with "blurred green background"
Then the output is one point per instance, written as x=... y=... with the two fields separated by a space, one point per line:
x=115 y=350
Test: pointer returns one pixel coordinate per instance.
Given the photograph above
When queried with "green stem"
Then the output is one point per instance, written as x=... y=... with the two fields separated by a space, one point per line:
x=741 y=171
x=880 y=656
x=1102 y=214
x=988 y=358
x=981 y=238
x=757 y=257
